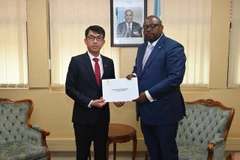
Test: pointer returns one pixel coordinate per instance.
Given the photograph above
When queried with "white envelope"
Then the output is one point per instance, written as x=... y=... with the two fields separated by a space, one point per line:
x=122 y=89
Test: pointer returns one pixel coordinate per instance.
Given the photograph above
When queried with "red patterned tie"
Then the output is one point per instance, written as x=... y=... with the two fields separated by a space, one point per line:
x=97 y=71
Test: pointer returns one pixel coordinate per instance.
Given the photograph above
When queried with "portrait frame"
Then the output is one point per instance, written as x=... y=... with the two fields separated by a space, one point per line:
x=121 y=35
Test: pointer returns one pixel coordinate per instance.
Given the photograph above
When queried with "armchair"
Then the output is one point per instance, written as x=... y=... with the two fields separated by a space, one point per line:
x=202 y=134
x=19 y=140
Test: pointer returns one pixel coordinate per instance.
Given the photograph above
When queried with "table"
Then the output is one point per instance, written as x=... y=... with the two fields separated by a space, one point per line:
x=121 y=133
x=233 y=156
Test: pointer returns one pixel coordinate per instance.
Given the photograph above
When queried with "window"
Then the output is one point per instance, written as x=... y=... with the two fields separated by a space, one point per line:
x=185 y=21
x=234 y=50
x=13 y=44
x=188 y=22
x=68 y=21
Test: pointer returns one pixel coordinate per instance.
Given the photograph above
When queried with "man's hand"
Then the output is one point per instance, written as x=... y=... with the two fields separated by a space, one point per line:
x=137 y=34
x=119 y=104
x=130 y=76
x=98 y=103
x=142 y=98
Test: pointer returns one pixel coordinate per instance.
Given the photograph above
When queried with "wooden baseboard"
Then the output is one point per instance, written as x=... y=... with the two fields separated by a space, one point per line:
x=233 y=144
x=68 y=145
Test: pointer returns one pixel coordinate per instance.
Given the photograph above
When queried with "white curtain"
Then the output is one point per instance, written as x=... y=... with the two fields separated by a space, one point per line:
x=188 y=22
x=185 y=21
x=68 y=21
x=234 y=52
x=13 y=44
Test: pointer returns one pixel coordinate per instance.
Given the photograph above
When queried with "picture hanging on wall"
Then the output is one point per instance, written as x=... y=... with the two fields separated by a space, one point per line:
x=127 y=17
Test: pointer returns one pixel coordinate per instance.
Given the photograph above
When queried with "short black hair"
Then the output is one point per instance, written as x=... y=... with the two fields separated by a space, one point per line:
x=95 y=28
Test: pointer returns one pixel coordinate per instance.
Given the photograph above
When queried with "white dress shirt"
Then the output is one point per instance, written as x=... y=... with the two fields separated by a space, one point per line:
x=100 y=62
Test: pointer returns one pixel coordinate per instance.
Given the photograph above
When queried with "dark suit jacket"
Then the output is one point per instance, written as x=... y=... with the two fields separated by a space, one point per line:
x=122 y=30
x=162 y=75
x=82 y=87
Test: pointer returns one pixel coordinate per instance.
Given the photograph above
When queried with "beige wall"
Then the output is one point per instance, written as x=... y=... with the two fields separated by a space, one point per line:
x=53 y=109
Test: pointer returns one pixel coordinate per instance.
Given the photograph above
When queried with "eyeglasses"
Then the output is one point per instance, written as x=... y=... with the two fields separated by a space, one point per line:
x=92 y=38
x=128 y=14
x=151 y=27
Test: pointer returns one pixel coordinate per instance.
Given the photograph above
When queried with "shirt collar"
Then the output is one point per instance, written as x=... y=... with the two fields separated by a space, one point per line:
x=129 y=23
x=91 y=56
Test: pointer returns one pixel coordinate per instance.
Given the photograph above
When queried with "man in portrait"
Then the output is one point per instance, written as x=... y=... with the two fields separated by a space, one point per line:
x=129 y=28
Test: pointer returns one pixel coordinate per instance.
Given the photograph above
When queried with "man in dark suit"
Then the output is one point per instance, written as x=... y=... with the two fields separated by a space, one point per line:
x=160 y=68
x=90 y=113
x=128 y=28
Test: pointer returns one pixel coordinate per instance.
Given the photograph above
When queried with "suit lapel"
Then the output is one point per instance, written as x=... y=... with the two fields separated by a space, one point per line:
x=105 y=65
x=154 y=53
x=124 y=30
x=141 y=55
x=133 y=25
x=88 y=64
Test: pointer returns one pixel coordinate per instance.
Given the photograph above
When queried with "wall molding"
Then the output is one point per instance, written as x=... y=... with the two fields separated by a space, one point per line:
x=68 y=145
x=233 y=144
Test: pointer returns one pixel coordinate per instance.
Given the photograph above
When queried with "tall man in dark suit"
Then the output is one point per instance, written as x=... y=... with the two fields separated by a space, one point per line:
x=160 y=68
x=83 y=84
x=128 y=28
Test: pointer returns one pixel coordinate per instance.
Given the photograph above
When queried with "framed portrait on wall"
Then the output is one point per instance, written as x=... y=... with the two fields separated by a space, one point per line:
x=127 y=17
